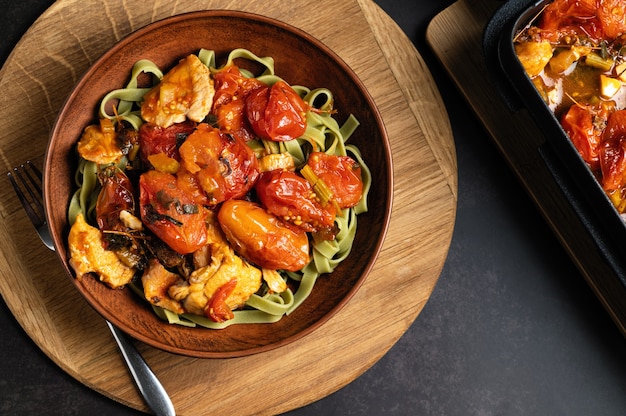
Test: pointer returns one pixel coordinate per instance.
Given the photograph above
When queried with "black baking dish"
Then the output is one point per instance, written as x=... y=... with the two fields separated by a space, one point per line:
x=577 y=182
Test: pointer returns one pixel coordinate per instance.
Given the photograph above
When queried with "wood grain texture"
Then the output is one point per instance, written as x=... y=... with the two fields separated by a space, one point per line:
x=41 y=71
x=456 y=36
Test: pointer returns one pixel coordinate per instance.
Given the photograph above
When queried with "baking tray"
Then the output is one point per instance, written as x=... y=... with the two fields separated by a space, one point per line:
x=576 y=181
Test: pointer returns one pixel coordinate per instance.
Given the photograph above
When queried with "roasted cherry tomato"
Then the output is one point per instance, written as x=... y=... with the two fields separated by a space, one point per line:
x=341 y=174
x=200 y=156
x=291 y=198
x=217 y=309
x=612 y=17
x=583 y=124
x=231 y=119
x=224 y=166
x=188 y=183
x=241 y=167
x=231 y=90
x=613 y=152
x=276 y=113
x=170 y=213
x=231 y=83
x=154 y=139
x=597 y=19
x=127 y=139
x=116 y=195
x=261 y=238
x=255 y=111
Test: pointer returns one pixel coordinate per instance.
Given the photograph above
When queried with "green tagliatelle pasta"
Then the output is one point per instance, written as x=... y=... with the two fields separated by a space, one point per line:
x=323 y=133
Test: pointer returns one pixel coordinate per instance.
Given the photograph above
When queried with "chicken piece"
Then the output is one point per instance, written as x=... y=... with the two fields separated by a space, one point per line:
x=98 y=143
x=156 y=282
x=190 y=297
x=215 y=238
x=232 y=267
x=202 y=257
x=186 y=91
x=534 y=56
x=274 y=281
x=130 y=220
x=88 y=254
x=226 y=269
x=191 y=293
x=274 y=161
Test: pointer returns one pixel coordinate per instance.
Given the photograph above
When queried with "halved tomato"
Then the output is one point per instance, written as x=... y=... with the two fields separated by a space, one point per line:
x=242 y=167
x=170 y=213
x=217 y=309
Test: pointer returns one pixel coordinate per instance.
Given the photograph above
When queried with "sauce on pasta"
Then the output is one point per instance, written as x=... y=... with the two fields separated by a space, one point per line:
x=218 y=195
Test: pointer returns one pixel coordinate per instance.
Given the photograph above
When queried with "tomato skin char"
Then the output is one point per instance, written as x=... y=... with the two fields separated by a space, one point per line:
x=170 y=214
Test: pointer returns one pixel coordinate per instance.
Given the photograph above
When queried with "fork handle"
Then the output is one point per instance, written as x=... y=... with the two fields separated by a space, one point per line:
x=149 y=385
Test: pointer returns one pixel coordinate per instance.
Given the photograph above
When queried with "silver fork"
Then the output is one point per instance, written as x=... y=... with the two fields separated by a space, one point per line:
x=27 y=181
x=30 y=181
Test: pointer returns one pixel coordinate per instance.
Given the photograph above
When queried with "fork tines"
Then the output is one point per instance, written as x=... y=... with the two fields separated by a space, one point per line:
x=28 y=189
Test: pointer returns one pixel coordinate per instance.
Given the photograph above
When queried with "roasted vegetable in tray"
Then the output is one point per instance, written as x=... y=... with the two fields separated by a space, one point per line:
x=574 y=51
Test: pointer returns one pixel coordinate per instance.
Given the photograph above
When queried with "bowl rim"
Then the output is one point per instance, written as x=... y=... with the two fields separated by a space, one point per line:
x=59 y=236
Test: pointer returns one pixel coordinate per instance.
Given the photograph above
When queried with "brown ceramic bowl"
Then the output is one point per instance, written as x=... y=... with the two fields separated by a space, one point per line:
x=300 y=59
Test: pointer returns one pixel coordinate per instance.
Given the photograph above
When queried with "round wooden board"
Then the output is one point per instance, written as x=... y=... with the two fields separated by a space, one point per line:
x=35 y=80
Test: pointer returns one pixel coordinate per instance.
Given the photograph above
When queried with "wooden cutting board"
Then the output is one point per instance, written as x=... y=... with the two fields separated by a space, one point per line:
x=35 y=80
x=456 y=36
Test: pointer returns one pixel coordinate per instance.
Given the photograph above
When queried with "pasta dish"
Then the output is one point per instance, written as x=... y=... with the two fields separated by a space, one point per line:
x=219 y=194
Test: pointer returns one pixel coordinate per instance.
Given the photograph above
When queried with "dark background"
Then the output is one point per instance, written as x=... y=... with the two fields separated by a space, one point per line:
x=511 y=328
